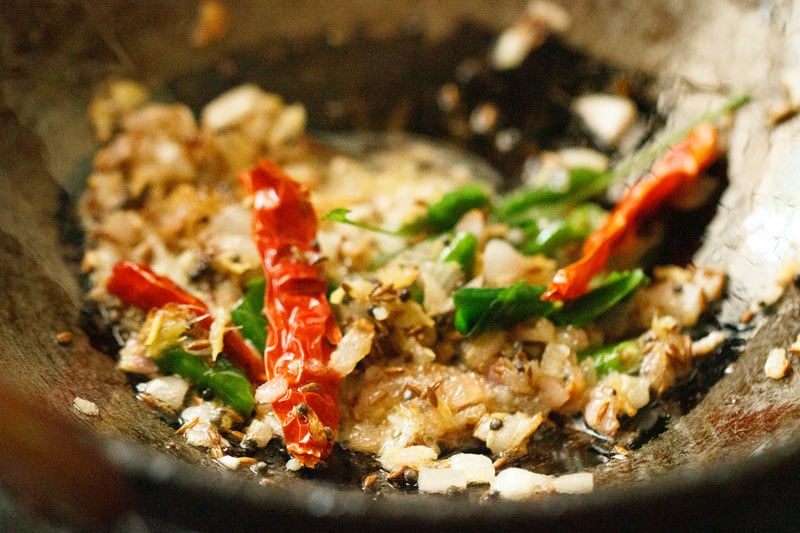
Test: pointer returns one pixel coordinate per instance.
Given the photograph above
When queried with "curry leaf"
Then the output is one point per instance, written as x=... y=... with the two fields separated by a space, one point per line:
x=340 y=215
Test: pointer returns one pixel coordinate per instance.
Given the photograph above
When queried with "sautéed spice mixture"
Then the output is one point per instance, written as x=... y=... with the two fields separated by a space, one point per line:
x=269 y=291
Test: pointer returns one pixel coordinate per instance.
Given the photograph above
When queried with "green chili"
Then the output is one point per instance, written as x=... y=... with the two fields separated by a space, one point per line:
x=248 y=314
x=228 y=383
x=625 y=357
x=578 y=224
x=479 y=309
x=443 y=215
x=579 y=184
x=616 y=287
x=462 y=249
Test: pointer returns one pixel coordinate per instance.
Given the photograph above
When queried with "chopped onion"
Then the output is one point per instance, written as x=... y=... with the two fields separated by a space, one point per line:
x=581 y=157
x=293 y=465
x=710 y=281
x=199 y=429
x=790 y=80
x=272 y=390
x=85 y=406
x=600 y=412
x=205 y=412
x=203 y=435
x=527 y=33
x=709 y=343
x=354 y=346
x=258 y=433
x=229 y=462
x=167 y=391
x=521 y=484
x=631 y=393
x=474 y=221
x=512 y=436
x=439 y=279
x=440 y=480
x=606 y=116
x=777 y=364
x=132 y=358
x=477 y=468
x=503 y=265
x=414 y=456
x=230 y=243
x=217 y=330
x=289 y=125
x=237 y=105
x=795 y=346
x=578 y=483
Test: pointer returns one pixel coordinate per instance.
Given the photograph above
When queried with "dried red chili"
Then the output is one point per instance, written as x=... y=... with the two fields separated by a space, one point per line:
x=139 y=286
x=677 y=168
x=302 y=332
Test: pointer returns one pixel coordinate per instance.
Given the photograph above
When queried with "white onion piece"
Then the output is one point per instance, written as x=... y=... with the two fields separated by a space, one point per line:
x=84 y=406
x=607 y=117
x=709 y=343
x=631 y=392
x=229 y=462
x=167 y=391
x=514 y=45
x=527 y=33
x=578 y=483
x=477 y=468
x=289 y=124
x=520 y=484
x=440 y=480
x=272 y=390
x=199 y=429
x=259 y=433
x=777 y=364
x=132 y=358
x=710 y=281
x=354 y=346
x=512 y=436
x=503 y=265
x=413 y=456
x=205 y=412
x=790 y=80
x=236 y=106
x=216 y=332
x=439 y=279
x=474 y=221
x=230 y=238
x=293 y=465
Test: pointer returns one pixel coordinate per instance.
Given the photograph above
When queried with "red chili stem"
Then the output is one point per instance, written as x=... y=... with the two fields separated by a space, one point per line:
x=678 y=168
x=138 y=285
